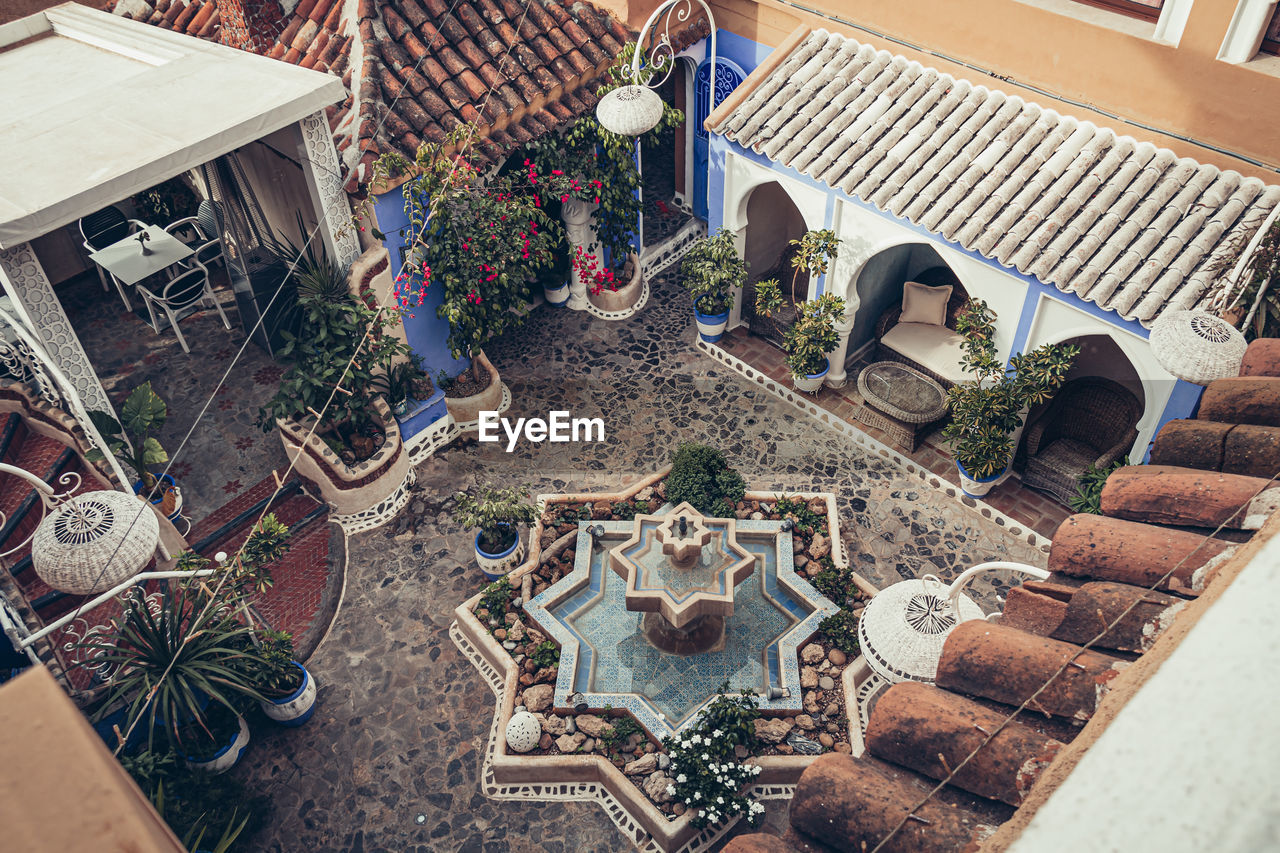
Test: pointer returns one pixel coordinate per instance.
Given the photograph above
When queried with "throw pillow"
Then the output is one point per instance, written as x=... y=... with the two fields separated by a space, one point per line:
x=924 y=304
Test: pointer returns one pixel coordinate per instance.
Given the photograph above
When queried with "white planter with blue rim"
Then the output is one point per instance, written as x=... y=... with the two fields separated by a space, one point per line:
x=976 y=487
x=296 y=708
x=711 y=326
x=225 y=758
x=556 y=296
x=495 y=566
x=813 y=381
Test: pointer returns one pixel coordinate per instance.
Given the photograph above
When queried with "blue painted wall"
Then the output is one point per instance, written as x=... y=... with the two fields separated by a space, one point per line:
x=427 y=334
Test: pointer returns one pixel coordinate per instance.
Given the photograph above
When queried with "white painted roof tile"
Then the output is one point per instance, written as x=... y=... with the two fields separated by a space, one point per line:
x=1122 y=223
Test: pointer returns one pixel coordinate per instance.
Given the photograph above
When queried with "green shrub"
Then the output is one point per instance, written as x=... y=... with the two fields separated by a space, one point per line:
x=546 y=654
x=842 y=630
x=1088 y=496
x=836 y=583
x=496 y=596
x=708 y=778
x=701 y=475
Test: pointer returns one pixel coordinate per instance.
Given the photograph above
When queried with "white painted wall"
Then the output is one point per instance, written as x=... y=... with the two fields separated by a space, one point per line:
x=1056 y=321
x=864 y=234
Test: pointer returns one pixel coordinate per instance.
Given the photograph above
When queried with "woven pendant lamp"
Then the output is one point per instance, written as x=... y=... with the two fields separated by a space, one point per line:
x=904 y=626
x=630 y=110
x=94 y=541
x=1197 y=346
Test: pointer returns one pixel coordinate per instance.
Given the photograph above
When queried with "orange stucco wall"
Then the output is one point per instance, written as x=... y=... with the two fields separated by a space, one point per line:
x=1089 y=56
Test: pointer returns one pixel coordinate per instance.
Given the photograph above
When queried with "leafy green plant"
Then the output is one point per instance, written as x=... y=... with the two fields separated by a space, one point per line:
x=267 y=543
x=131 y=438
x=166 y=202
x=495 y=597
x=397 y=383
x=197 y=805
x=768 y=297
x=619 y=731
x=307 y=271
x=341 y=342
x=711 y=270
x=813 y=334
x=1088 y=497
x=272 y=669
x=806 y=520
x=986 y=409
x=170 y=666
x=701 y=475
x=545 y=654
x=497 y=512
x=708 y=778
x=814 y=250
x=837 y=583
x=842 y=630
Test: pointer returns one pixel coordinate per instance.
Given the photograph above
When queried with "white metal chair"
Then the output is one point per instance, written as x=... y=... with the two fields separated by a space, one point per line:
x=203 y=233
x=183 y=292
x=102 y=228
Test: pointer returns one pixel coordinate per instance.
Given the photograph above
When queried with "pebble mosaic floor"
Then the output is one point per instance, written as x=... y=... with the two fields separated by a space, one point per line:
x=392 y=758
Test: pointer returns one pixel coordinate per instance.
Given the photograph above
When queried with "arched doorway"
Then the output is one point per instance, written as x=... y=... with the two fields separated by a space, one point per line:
x=1097 y=410
x=773 y=221
x=879 y=286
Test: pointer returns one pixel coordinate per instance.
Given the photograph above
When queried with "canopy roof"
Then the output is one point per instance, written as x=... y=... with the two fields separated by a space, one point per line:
x=95 y=108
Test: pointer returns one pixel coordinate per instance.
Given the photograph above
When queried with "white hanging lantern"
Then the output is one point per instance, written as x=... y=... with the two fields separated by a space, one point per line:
x=903 y=628
x=94 y=541
x=630 y=110
x=1197 y=346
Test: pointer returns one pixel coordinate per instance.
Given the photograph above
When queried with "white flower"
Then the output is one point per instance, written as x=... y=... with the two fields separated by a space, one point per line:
x=720 y=800
x=697 y=795
x=706 y=757
x=682 y=779
x=671 y=790
x=756 y=768
x=696 y=738
x=685 y=743
x=717 y=734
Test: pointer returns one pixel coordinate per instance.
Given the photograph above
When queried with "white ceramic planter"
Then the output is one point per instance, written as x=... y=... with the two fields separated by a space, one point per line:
x=557 y=296
x=227 y=756
x=296 y=708
x=812 y=382
x=495 y=566
x=711 y=326
x=978 y=488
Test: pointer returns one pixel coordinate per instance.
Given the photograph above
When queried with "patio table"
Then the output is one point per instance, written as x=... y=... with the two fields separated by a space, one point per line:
x=125 y=259
x=901 y=401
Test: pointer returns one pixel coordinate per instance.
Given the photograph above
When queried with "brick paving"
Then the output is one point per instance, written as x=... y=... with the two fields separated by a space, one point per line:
x=1040 y=512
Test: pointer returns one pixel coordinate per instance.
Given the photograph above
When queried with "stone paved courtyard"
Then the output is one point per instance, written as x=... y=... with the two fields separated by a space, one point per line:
x=392 y=758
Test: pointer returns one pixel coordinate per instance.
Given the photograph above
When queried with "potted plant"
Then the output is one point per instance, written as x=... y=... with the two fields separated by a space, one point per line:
x=809 y=339
x=131 y=440
x=288 y=688
x=989 y=410
x=712 y=271
x=396 y=385
x=179 y=660
x=814 y=250
x=497 y=513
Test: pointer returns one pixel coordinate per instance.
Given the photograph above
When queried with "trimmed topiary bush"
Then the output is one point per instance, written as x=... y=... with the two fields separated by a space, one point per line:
x=701 y=475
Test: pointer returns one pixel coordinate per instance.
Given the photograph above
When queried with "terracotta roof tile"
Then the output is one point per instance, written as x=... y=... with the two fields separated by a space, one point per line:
x=438 y=62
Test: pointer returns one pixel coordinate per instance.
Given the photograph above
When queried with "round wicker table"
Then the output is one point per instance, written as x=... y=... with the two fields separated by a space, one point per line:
x=900 y=400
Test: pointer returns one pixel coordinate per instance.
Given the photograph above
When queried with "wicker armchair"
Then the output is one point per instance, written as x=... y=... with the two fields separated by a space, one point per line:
x=1091 y=421
x=934 y=277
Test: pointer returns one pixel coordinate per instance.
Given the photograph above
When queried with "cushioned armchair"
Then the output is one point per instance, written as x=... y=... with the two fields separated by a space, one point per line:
x=1091 y=421
x=933 y=350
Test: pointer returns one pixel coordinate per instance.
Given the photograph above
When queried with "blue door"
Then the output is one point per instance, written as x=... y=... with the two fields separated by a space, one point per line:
x=728 y=75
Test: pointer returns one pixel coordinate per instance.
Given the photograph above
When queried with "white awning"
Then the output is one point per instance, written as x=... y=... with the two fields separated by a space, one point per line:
x=95 y=108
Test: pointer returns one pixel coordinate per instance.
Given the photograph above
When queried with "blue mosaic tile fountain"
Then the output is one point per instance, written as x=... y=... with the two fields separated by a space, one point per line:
x=737 y=597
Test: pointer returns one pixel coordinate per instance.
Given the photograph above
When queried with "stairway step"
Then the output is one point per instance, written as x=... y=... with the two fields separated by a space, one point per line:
x=238 y=511
x=295 y=511
x=9 y=424
x=300 y=579
x=23 y=519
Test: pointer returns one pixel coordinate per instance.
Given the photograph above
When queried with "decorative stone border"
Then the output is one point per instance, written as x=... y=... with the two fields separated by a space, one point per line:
x=445 y=430
x=592 y=778
x=1016 y=528
x=378 y=515
x=583 y=783
x=673 y=248
x=622 y=313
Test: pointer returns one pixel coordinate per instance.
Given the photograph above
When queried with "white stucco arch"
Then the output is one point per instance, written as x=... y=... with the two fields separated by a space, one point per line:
x=1056 y=322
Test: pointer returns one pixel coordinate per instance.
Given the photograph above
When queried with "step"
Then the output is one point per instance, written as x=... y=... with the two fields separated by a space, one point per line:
x=300 y=580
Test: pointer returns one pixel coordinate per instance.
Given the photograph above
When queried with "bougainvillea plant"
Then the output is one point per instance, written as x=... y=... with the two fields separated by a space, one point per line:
x=482 y=241
x=598 y=166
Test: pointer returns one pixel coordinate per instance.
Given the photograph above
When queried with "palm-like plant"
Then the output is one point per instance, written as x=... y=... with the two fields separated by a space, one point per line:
x=988 y=409
x=130 y=438
x=173 y=660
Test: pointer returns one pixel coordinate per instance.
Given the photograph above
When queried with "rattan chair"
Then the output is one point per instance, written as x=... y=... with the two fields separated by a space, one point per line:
x=1091 y=421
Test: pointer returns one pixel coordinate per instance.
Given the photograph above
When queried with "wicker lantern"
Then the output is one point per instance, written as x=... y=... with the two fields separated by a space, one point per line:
x=630 y=110
x=1197 y=346
x=904 y=626
x=94 y=541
